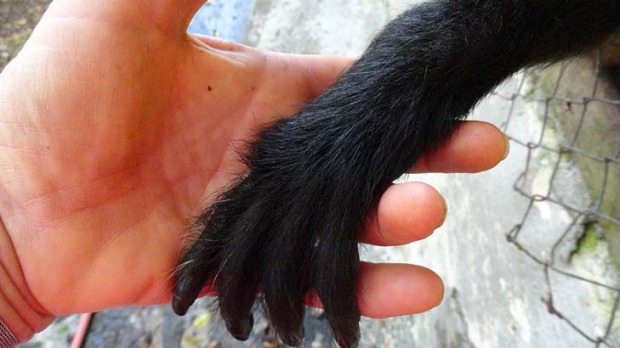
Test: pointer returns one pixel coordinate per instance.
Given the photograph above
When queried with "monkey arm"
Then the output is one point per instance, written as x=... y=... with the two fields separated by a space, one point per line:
x=291 y=223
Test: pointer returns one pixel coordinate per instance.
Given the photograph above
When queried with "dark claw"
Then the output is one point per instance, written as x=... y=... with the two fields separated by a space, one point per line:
x=193 y=273
x=241 y=329
x=186 y=290
x=180 y=305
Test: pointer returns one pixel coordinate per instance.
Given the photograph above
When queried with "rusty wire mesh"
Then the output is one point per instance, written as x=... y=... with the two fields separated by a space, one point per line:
x=578 y=104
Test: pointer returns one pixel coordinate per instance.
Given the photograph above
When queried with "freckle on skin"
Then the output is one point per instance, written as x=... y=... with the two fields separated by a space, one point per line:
x=209 y=88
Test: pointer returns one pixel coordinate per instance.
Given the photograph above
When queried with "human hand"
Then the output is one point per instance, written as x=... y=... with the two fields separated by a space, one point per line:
x=117 y=128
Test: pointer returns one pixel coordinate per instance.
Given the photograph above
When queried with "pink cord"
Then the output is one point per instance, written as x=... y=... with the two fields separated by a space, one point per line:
x=82 y=331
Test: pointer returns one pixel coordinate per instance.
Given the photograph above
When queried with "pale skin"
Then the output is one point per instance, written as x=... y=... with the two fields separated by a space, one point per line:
x=117 y=127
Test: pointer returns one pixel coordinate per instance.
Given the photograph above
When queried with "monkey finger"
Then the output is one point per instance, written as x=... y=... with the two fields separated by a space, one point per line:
x=475 y=146
x=406 y=213
x=389 y=290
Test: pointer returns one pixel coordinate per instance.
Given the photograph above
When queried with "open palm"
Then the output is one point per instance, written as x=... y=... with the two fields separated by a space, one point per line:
x=113 y=175
x=117 y=128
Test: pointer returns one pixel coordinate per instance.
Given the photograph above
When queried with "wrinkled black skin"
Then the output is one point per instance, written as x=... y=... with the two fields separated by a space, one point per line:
x=291 y=223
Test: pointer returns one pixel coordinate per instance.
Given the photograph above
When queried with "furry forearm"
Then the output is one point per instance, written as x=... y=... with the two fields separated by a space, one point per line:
x=291 y=223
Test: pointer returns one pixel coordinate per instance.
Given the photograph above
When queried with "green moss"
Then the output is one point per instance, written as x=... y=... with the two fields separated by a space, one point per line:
x=591 y=259
x=589 y=241
x=62 y=328
x=202 y=320
x=612 y=233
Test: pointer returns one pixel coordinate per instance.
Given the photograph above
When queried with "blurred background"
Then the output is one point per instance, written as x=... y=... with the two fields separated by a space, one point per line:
x=530 y=251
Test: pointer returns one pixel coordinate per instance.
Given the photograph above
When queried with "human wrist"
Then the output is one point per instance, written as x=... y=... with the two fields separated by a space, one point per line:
x=19 y=311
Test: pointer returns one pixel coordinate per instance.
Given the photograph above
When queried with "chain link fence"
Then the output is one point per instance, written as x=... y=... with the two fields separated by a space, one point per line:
x=579 y=106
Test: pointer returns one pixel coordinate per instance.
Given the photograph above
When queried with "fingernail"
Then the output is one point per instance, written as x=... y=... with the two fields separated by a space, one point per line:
x=507 y=140
x=445 y=211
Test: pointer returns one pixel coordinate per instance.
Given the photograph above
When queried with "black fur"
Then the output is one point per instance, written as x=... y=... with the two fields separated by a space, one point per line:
x=291 y=223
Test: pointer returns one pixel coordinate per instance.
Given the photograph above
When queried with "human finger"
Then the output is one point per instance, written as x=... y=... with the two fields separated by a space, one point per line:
x=294 y=79
x=286 y=81
x=173 y=15
x=316 y=73
x=389 y=290
x=406 y=213
x=320 y=72
x=475 y=146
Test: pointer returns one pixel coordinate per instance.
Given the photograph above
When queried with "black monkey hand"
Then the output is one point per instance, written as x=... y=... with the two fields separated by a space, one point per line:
x=291 y=223
x=406 y=213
